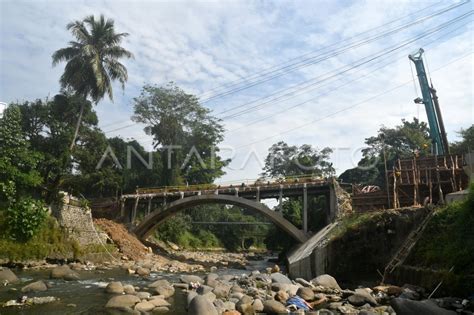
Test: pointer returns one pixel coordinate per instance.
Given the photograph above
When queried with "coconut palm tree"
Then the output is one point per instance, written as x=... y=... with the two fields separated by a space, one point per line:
x=92 y=61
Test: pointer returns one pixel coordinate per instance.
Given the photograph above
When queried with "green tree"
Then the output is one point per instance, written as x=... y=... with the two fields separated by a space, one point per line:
x=409 y=139
x=467 y=141
x=18 y=174
x=92 y=61
x=185 y=134
x=284 y=161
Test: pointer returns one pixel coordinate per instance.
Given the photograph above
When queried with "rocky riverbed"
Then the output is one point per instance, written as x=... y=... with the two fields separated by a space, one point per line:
x=140 y=288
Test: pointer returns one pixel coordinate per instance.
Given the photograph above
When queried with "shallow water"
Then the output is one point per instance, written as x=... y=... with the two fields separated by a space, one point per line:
x=87 y=295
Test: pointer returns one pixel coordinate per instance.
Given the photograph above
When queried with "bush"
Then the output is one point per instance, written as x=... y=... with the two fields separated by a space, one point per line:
x=24 y=218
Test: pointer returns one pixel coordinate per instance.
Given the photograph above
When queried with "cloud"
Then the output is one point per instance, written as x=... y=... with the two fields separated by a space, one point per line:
x=205 y=45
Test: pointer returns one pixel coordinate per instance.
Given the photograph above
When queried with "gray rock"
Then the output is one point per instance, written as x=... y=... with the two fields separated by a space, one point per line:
x=280 y=278
x=158 y=302
x=158 y=283
x=114 y=287
x=200 y=305
x=211 y=297
x=143 y=272
x=356 y=300
x=409 y=307
x=257 y=305
x=203 y=289
x=127 y=301
x=229 y=306
x=64 y=272
x=281 y=296
x=368 y=297
x=303 y=282
x=161 y=309
x=165 y=290
x=274 y=307
x=38 y=286
x=221 y=290
x=191 y=295
x=143 y=295
x=326 y=281
x=7 y=276
x=305 y=293
x=144 y=306
x=191 y=278
x=128 y=289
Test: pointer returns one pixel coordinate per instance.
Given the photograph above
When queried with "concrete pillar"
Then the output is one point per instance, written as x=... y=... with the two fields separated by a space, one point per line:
x=181 y=195
x=280 y=198
x=236 y=191
x=122 y=207
x=148 y=209
x=305 y=208
x=333 y=208
x=257 y=195
x=134 y=210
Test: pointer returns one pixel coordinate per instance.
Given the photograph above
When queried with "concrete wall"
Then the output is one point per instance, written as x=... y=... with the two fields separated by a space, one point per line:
x=77 y=221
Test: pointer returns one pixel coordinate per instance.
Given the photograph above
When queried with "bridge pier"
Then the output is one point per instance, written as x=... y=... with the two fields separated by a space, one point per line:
x=305 y=208
x=134 y=210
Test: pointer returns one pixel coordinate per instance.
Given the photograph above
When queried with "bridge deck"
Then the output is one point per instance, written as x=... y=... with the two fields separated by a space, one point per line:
x=256 y=190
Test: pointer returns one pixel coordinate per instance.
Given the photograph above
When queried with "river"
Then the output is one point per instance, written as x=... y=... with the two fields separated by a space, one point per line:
x=87 y=295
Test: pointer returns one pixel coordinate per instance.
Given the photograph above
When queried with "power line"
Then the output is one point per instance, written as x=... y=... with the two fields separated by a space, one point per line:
x=356 y=65
x=312 y=60
x=338 y=87
x=234 y=82
x=348 y=107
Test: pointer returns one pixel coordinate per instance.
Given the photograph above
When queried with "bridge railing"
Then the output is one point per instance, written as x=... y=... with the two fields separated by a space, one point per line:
x=236 y=184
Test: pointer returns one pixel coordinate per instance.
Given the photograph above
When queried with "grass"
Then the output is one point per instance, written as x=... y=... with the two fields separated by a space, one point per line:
x=352 y=222
x=448 y=239
x=49 y=242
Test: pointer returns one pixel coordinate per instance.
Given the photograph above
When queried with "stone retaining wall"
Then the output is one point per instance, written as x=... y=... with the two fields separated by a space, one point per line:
x=77 y=221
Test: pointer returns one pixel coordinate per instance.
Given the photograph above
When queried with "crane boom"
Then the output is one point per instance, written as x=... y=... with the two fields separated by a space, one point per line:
x=430 y=99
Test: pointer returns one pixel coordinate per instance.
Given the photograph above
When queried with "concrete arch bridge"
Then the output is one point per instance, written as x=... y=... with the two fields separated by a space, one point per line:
x=155 y=205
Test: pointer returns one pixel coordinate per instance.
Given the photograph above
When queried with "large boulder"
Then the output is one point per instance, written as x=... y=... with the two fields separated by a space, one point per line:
x=280 y=278
x=221 y=290
x=64 y=272
x=7 y=276
x=305 y=293
x=159 y=302
x=326 y=281
x=114 y=287
x=158 y=283
x=408 y=307
x=38 y=286
x=200 y=305
x=367 y=296
x=123 y=302
x=165 y=290
x=274 y=307
x=144 y=307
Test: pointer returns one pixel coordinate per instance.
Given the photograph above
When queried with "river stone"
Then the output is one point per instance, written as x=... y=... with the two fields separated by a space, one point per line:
x=280 y=278
x=326 y=281
x=200 y=305
x=165 y=290
x=122 y=301
x=158 y=283
x=274 y=307
x=191 y=295
x=37 y=286
x=211 y=297
x=236 y=289
x=157 y=302
x=203 y=289
x=244 y=308
x=144 y=306
x=191 y=278
x=7 y=276
x=281 y=296
x=221 y=290
x=128 y=289
x=64 y=272
x=231 y=312
x=291 y=289
x=257 y=305
x=357 y=300
x=114 y=287
x=160 y=310
x=143 y=272
x=142 y=295
x=409 y=307
x=228 y=305
x=303 y=282
x=305 y=293
x=211 y=276
x=246 y=299
x=366 y=294
x=237 y=295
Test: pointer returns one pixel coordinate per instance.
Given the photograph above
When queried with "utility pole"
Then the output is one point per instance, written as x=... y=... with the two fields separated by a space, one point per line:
x=382 y=137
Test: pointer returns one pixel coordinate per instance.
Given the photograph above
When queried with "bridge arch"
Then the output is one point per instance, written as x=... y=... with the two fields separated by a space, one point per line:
x=157 y=217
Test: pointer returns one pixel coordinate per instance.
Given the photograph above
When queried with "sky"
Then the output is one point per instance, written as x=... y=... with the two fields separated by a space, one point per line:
x=325 y=73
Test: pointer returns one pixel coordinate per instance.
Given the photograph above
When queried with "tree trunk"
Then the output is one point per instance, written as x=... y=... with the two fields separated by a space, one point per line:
x=76 y=132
